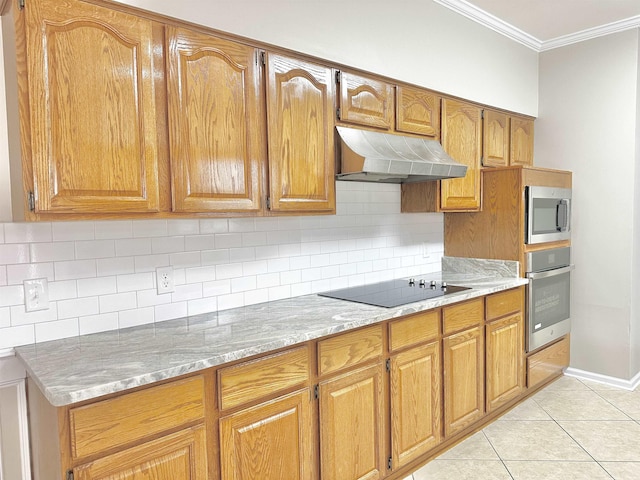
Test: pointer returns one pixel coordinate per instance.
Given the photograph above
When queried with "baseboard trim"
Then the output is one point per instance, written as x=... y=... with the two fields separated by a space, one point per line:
x=7 y=352
x=604 y=379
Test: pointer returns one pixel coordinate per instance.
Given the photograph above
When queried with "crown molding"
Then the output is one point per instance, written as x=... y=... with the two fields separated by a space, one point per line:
x=494 y=23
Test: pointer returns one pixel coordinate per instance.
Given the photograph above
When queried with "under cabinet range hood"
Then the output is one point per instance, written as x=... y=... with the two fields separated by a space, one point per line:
x=388 y=158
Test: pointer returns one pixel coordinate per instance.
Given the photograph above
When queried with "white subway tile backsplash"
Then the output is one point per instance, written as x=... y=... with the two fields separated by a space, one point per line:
x=170 y=311
x=202 y=305
x=228 y=240
x=14 y=253
x=63 y=290
x=76 y=269
x=5 y=317
x=214 y=225
x=218 y=287
x=12 y=336
x=150 y=228
x=102 y=274
x=133 y=246
x=187 y=226
x=21 y=317
x=138 y=316
x=189 y=291
x=95 y=249
x=11 y=295
x=27 y=232
x=115 y=266
x=57 y=329
x=117 y=302
x=134 y=282
x=98 y=323
x=16 y=274
x=52 y=252
x=114 y=229
x=78 y=307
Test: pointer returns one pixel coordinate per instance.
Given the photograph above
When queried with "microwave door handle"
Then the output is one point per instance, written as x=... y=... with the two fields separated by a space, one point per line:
x=562 y=215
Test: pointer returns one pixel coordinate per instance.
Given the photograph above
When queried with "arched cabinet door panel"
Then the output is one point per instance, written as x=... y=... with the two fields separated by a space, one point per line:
x=94 y=120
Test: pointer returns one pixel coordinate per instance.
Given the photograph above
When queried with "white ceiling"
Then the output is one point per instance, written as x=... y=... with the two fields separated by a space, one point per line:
x=546 y=24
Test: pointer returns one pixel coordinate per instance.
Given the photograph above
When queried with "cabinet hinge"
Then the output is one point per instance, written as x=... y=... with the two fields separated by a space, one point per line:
x=263 y=58
x=316 y=392
x=69 y=475
x=481 y=114
x=268 y=202
x=389 y=464
x=388 y=365
x=21 y=4
x=338 y=76
x=338 y=113
x=32 y=202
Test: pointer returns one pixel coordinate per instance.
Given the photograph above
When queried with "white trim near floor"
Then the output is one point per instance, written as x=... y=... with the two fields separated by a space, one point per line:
x=604 y=379
x=22 y=442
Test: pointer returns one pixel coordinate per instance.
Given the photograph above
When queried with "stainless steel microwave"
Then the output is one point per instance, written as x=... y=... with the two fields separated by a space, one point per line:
x=548 y=214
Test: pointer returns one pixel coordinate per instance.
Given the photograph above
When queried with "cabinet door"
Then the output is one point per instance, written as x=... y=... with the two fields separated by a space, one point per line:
x=521 y=141
x=271 y=441
x=495 y=147
x=417 y=111
x=365 y=101
x=216 y=117
x=351 y=426
x=93 y=116
x=415 y=403
x=300 y=99
x=462 y=139
x=180 y=455
x=463 y=355
x=505 y=360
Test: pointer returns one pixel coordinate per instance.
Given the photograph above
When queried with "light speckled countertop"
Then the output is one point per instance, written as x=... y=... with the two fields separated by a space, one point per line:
x=81 y=368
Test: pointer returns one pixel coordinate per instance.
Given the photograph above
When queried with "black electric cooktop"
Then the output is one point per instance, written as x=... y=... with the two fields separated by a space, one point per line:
x=393 y=293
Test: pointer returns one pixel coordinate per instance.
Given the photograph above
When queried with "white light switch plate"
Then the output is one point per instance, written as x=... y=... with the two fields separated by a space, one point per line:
x=36 y=294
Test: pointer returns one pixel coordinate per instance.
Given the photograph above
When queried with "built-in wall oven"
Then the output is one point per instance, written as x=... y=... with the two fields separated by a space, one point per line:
x=548 y=214
x=548 y=296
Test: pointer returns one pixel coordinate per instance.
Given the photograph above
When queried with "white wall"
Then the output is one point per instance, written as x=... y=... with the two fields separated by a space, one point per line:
x=417 y=41
x=635 y=280
x=588 y=124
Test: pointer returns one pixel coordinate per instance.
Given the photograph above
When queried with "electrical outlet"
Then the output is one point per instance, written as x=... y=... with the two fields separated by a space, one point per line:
x=164 y=279
x=36 y=294
x=426 y=251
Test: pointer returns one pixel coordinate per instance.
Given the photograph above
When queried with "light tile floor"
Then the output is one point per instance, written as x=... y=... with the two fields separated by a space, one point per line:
x=570 y=430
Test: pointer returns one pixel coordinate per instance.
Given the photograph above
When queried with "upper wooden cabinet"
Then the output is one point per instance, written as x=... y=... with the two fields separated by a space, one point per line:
x=521 y=141
x=417 y=111
x=462 y=140
x=300 y=100
x=93 y=118
x=495 y=147
x=216 y=123
x=365 y=100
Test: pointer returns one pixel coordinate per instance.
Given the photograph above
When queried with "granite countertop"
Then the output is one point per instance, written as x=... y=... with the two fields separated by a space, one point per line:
x=85 y=367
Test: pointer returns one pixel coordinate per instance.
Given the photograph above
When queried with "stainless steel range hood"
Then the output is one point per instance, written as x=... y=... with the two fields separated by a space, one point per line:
x=388 y=158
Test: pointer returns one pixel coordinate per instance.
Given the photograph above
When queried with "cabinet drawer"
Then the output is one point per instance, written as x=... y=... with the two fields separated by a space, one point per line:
x=460 y=316
x=413 y=330
x=121 y=420
x=548 y=363
x=504 y=303
x=253 y=380
x=349 y=349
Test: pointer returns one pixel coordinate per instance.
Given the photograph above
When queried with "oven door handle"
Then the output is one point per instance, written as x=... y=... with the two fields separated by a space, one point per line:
x=549 y=273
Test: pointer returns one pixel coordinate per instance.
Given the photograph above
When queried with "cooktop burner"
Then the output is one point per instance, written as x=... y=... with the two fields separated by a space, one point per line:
x=394 y=293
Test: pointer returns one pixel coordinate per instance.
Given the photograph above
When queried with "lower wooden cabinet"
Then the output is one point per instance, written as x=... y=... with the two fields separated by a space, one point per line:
x=352 y=425
x=505 y=360
x=182 y=455
x=271 y=441
x=416 y=408
x=463 y=355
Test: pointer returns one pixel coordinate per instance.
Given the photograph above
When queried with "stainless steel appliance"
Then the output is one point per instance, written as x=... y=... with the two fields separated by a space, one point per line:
x=393 y=293
x=548 y=214
x=548 y=296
